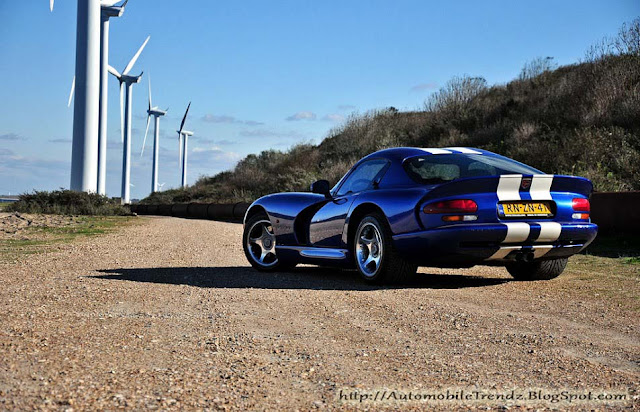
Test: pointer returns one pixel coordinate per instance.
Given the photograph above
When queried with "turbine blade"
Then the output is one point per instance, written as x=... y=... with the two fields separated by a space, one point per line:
x=135 y=57
x=51 y=5
x=184 y=119
x=145 y=134
x=150 y=106
x=113 y=71
x=73 y=89
x=121 y=113
x=124 y=4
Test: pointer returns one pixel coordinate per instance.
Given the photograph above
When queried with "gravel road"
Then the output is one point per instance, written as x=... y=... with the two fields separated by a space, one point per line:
x=168 y=314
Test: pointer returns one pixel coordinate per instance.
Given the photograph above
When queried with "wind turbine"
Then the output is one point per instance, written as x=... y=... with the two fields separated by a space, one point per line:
x=84 y=151
x=156 y=113
x=108 y=10
x=125 y=118
x=183 y=135
x=91 y=55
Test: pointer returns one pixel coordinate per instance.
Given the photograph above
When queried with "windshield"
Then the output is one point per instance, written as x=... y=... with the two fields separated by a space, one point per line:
x=431 y=169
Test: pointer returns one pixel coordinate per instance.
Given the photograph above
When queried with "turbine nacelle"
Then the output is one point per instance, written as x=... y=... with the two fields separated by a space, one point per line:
x=184 y=132
x=125 y=78
x=154 y=111
x=109 y=10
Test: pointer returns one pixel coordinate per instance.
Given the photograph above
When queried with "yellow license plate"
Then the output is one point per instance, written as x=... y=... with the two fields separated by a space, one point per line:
x=526 y=209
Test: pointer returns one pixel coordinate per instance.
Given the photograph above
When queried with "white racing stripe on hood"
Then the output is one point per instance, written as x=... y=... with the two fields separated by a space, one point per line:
x=541 y=187
x=549 y=231
x=517 y=232
x=509 y=187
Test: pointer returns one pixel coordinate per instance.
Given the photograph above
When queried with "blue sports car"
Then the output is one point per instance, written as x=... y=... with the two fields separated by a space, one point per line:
x=401 y=208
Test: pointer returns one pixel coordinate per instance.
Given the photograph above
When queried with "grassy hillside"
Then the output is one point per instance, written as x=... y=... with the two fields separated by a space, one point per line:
x=581 y=119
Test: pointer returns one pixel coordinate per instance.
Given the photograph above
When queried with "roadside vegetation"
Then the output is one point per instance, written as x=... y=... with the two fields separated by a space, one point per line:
x=24 y=235
x=581 y=119
x=67 y=202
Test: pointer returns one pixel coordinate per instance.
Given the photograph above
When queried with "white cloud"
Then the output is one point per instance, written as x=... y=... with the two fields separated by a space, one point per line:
x=206 y=149
x=302 y=116
x=423 y=86
x=334 y=117
x=270 y=133
x=11 y=137
x=212 y=118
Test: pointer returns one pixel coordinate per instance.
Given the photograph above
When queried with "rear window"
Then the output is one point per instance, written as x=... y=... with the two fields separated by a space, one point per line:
x=432 y=169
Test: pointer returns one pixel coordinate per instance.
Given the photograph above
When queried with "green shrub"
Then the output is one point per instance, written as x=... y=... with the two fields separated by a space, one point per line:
x=581 y=119
x=67 y=202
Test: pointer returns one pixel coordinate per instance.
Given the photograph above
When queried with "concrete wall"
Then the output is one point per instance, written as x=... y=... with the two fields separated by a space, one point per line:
x=212 y=211
x=616 y=212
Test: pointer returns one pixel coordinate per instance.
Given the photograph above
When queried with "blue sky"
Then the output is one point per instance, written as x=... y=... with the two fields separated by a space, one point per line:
x=263 y=74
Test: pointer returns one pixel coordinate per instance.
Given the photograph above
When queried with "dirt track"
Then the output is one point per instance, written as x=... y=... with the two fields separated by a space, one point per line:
x=169 y=314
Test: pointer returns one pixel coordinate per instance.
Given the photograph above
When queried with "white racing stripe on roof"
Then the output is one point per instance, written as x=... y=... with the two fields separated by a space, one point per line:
x=517 y=232
x=437 y=151
x=464 y=150
x=509 y=187
x=541 y=187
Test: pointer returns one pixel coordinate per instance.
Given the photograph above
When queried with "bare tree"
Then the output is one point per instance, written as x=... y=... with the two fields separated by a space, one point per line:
x=628 y=40
x=457 y=93
x=536 y=67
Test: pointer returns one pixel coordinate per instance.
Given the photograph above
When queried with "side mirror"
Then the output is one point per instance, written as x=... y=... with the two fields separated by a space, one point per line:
x=321 y=187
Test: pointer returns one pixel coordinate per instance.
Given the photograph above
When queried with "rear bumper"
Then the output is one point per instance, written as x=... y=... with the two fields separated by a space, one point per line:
x=464 y=245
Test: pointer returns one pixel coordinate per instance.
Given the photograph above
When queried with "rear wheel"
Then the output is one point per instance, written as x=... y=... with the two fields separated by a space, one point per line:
x=543 y=270
x=376 y=259
x=259 y=242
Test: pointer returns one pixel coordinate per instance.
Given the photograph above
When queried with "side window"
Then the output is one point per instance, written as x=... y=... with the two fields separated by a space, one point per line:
x=362 y=178
x=480 y=169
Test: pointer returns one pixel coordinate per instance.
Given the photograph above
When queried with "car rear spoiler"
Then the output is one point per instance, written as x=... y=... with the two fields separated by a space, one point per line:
x=538 y=186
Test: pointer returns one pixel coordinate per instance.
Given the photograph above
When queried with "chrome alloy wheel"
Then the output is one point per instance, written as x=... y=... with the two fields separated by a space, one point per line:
x=261 y=243
x=369 y=249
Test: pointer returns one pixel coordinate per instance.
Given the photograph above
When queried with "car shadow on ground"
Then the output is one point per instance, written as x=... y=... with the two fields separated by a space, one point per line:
x=300 y=278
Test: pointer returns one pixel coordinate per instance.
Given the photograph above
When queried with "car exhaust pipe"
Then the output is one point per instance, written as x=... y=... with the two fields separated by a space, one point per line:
x=525 y=257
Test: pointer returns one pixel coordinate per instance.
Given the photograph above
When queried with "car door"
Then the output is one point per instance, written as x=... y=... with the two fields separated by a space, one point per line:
x=327 y=225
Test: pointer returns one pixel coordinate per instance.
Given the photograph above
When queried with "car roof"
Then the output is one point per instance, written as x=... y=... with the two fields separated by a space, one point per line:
x=401 y=153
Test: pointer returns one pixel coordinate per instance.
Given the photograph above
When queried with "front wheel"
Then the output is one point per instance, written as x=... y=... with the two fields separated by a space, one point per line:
x=376 y=259
x=259 y=243
x=543 y=270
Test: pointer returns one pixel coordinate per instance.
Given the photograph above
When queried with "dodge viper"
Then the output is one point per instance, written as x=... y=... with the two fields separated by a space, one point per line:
x=400 y=208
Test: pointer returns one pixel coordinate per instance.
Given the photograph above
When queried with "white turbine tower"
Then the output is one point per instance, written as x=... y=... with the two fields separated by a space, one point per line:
x=88 y=159
x=156 y=113
x=183 y=135
x=108 y=10
x=84 y=152
x=125 y=118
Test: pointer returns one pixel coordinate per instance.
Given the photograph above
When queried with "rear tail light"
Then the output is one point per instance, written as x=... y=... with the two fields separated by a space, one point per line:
x=581 y=205
x=452 y=206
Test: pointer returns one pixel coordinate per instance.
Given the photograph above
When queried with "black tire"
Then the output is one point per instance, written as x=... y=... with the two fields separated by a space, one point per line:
x=543 y=270
x=273 y=264
x=391 y=268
